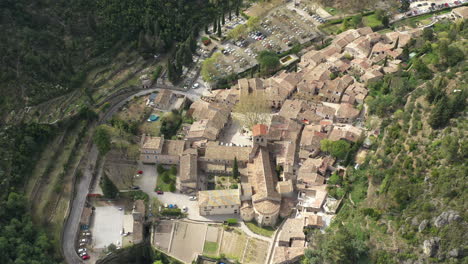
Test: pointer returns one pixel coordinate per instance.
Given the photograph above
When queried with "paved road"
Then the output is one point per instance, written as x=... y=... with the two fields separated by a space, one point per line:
x=71 y=226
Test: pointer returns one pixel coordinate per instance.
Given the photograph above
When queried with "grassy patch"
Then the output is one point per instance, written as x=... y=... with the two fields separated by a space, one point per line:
x=210 y=248
x=166 y=179
x=263 y=231
x=161 y=185
x=372 y=21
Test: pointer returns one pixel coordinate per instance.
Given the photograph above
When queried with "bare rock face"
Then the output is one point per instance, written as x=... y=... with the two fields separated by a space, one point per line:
x=454 y=253
x=431 y=246
x=423 y=225
x=446 y=218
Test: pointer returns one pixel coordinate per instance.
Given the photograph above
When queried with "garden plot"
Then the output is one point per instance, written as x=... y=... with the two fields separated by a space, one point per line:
x=162 y=235
x=256 y=251
x=233 y=244
x=187 y=240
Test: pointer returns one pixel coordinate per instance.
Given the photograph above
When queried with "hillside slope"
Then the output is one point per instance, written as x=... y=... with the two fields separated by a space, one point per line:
x=407 y=202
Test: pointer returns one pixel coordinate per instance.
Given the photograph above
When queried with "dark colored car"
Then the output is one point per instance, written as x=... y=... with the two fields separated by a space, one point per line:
x=136 y=187
x=85 y=257
x=140 y=172
x=159 y=192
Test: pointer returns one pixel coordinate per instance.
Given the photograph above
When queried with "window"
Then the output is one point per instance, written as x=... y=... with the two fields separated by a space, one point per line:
x=147 y=157
x=225 y=206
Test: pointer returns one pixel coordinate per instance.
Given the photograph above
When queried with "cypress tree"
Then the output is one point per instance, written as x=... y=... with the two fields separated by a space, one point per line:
x=171 y=72
x=108 y=187
x=235 y=169
x=215 y=25
x=219 y=29
x=223 y=18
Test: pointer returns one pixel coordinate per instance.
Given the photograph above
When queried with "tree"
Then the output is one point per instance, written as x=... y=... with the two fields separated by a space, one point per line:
x=405 y=4
x=345 y=24
x=111 y=248
x=440 y=115
x=160 y=168
x=235 y=169
x=338 y=149
x=173 y=170
x=428 y=34
x=450 y=147
x=252 y=109
x=172 y=187
x=237 y=32
x=209 y=71
x=356 y=21
x=253 y=23
x=108 y=188
x=102 y=139
x=269 y=62
x=172 y=73
x=219 y=30
x=385 y=21
x=215 y=25
x=142 y=43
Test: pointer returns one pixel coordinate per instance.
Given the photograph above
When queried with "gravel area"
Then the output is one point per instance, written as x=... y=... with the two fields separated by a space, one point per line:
x=108 y=222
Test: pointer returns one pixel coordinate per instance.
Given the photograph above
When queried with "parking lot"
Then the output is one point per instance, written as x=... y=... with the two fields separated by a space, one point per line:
x=423 y=7
x=278 y=31
x=107 y=225
x=147 y=183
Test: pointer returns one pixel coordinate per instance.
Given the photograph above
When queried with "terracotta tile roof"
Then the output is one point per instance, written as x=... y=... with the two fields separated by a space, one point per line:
x=266 y=199
x=173 y=147
x=314 y=197
x=259 y=130
x=314 y=221
x=214 y=151
x=188 y=168
x=219 y=198
x=285 y=255
x=347 y=111
x=293 y=228
x=152 y=142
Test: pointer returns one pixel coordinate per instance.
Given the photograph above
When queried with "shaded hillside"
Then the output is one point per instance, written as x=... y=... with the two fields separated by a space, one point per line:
x=48 y=47
x=407 y=202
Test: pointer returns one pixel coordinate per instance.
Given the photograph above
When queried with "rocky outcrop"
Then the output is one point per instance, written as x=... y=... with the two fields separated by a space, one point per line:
x=446 y=218
x=423 y=225
x=431 y=246
x=454 y=253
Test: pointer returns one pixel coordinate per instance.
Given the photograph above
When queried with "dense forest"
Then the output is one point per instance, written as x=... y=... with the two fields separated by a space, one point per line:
x=46 y=50
x=407 y=202
x=48 y=47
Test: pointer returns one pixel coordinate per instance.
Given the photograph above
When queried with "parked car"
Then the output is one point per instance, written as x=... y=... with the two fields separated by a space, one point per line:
x=135 y=187
x=140 y=172
x=184 y=209
x=195 y=85
x=81 y=250
x=159 y=192
x=83 y=254
x=85 y=257
x=84 y=240
x=192 y=198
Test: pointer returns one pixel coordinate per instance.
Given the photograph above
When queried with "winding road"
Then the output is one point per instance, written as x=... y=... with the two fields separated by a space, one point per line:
x=82 y=186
